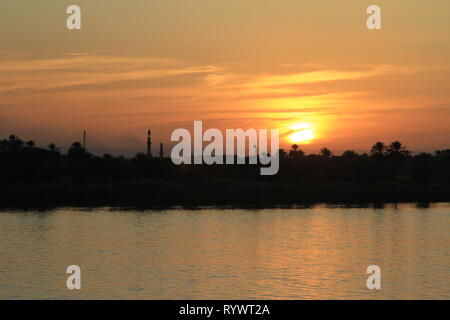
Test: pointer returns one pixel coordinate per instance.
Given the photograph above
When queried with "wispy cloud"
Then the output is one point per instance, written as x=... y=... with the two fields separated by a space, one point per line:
x=78 y=70
x=124 y=93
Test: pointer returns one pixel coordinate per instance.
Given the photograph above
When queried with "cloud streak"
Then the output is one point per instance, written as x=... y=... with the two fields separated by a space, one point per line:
x=126 y=93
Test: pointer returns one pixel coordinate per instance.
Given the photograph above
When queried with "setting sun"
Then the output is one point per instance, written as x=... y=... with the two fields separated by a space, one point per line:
x=301 y=132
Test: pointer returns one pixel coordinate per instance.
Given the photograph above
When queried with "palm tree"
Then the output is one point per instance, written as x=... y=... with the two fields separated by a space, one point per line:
x=14 y=142
x=53 y=148
x=378 y=148
x=295 y=152
x=30 y=144
x=326 y=153
x=396 y=147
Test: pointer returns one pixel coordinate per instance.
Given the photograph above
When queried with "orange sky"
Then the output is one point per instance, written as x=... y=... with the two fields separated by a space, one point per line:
x=262 y=64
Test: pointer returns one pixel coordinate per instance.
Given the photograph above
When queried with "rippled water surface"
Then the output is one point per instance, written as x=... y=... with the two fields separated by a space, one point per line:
x=318 y=253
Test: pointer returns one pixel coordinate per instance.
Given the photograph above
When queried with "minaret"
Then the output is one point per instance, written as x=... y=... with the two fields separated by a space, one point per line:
x=149 y=143
x=84 y=139
x=161 y=150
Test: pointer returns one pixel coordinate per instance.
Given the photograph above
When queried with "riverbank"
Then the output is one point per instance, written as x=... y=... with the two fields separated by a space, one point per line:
x=212 y=192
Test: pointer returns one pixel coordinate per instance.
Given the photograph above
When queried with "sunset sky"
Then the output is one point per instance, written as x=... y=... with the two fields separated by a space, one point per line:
x=162 y=64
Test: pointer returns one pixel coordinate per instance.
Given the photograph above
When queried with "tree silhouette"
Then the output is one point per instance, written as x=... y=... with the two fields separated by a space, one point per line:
x=53 y=148
x=77 y=152
x=379 y=148
x=282 y=154
x=396 y=147
x=295 y=152
x=37 y=176
x=30 y=144
x=326 y=153
x=14 y=142
x=3 y=145
x=443 y=153
x=349 y=154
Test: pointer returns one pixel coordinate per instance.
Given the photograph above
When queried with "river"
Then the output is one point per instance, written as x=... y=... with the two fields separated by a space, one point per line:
x=314 y=253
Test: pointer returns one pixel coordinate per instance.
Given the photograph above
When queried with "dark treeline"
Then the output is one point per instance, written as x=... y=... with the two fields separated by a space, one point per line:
x=43 y=177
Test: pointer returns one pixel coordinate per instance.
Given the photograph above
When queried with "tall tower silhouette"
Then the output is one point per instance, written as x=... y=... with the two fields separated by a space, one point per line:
x=161 y=150
x=84 y=139
x=149 y=143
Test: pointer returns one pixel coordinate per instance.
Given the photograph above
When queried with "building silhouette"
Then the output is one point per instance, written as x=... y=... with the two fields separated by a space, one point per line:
x=161 y=150
x=149 y=143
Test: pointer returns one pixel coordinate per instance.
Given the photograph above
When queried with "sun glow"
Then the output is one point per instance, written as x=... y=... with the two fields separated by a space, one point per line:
x=301 y=132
